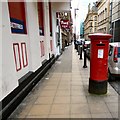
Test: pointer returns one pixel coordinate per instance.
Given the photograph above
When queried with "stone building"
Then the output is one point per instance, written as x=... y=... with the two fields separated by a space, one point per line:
x=103 y=7
x=82 y=30
x=115 y=20
x=90 y=23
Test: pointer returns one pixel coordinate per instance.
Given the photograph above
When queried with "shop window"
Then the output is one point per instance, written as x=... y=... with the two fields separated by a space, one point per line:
x=17 y=59
x=50 y=18
x=41 y=18
x=17 y=17
x=42 y=49
x=24 y=54
x=51 y=45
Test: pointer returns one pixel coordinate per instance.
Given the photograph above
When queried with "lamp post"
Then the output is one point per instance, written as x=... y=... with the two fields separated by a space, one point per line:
x=75 y=14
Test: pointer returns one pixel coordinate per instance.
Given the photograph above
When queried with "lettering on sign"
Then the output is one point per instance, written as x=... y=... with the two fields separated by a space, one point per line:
x=16 y=25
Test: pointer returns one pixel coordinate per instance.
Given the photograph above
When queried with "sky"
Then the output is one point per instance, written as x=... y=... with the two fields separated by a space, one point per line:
x=82 y=5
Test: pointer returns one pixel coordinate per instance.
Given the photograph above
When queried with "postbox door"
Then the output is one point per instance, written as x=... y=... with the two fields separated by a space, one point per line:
x=102 y=61
x=99 y=61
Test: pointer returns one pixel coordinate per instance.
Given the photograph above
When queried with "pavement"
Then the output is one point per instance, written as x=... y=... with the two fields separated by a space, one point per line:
x=116 y=85
x=63 y=93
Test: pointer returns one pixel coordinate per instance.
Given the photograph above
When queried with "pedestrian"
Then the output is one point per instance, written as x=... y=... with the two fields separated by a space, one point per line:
x=65 y=42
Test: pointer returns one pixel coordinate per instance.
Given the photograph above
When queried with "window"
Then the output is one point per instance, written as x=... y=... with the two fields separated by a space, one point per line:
x=51 y=45
x=110 y=50
x=91 y=24
x=41 y=18
x=95 y=29
x=90 y=17
x=95 y=18
x=95 y=23
x=50 y=18
x=117 y=31
x=118 y=52
x=104 y=29
x=98 y=18
x=24 y=54
x=16 y=49
x=42 y=49
x=17 y=17
x=105 y=13
x=90 y=30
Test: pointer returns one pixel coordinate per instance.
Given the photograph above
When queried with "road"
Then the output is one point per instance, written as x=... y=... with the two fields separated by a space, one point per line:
x=116 y=85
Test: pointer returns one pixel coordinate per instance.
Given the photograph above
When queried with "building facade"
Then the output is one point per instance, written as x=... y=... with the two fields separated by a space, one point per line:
x=28 y=46
x=115 y=20
x=90 y=23
x=103 y=7
x=82 y=30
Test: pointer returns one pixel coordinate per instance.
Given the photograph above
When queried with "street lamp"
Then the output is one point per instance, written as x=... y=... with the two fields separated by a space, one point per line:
x=75 y=22
x=75 y=11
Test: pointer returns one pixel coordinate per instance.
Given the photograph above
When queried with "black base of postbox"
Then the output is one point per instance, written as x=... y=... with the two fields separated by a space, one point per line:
x=97 y=87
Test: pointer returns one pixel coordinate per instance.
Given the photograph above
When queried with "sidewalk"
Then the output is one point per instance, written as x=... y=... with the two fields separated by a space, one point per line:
x=63 y=93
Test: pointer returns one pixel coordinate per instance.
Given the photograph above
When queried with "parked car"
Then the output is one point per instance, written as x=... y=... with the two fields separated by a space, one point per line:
x=86 y=44
x=76 y=43
x=114 y=61
x=88 y=52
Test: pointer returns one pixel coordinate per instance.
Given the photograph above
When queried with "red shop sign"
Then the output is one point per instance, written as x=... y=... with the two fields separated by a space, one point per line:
x=64 y=24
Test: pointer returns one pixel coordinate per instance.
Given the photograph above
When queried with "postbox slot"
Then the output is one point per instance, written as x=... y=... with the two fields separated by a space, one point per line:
x=100 y=44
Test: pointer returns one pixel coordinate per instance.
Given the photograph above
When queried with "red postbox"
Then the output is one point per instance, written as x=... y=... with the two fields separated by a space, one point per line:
x=99 y=63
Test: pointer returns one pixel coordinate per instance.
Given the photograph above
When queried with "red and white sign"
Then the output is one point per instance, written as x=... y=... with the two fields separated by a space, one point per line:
x=65 y=24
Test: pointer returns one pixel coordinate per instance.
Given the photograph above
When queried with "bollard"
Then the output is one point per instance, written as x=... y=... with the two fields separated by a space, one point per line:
x=78 y=49
x=85 y=66
x=76 y=45
x=80 y=52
